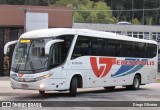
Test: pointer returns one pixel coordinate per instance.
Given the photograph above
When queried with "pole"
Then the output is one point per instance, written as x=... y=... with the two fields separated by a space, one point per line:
x=132 y=9
x=143 y=10
x=25 y=11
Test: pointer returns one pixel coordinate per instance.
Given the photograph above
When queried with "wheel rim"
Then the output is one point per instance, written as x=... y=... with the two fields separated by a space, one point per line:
x=136 y=82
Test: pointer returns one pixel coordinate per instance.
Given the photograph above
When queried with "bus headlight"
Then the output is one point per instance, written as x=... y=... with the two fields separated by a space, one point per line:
x=41 y=86
x=43 y=77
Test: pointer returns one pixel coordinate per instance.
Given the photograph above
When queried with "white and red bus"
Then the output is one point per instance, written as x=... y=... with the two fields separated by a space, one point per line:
x=67 y=59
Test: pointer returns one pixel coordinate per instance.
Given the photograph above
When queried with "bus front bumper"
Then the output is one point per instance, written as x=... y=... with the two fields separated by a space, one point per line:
x=38 y=85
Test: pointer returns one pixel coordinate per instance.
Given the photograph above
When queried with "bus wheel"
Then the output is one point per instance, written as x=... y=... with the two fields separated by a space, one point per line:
x=73 y=87
x=136 y=83
x=41 y=92
x=110 y=88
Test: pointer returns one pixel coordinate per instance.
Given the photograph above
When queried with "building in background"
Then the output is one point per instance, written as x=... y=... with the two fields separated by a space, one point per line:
x=12 y=25
x=137 y=31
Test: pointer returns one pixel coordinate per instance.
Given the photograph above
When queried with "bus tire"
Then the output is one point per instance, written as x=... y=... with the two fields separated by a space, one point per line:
x=41 y=92
x=109 y=88
x=73 y=87
x=136 y=83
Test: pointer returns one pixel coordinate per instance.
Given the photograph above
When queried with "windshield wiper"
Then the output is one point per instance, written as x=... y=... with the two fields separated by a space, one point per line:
x=18 y=65
x=31 y=65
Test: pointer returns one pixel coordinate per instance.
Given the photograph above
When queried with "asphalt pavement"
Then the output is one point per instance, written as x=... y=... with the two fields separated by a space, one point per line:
x=149 y=92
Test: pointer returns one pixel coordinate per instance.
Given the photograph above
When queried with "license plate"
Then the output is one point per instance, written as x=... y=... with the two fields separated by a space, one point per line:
x=24 y=86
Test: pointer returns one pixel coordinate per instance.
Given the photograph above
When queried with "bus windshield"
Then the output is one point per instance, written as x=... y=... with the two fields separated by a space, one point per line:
x=29 y=55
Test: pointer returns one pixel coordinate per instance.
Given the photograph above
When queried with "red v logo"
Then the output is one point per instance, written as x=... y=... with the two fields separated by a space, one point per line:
x=103 y=70
x=20 y=75
x=94 y=65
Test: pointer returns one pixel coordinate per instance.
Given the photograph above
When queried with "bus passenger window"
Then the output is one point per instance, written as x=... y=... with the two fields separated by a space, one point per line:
x=151 y=50
x=97 y=47
x=128 y=49
x=60 y=50
x=111 y=48
x=81 y=47
x=139 y=49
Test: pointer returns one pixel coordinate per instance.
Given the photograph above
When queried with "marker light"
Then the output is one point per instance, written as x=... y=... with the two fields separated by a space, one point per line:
x=25 y=41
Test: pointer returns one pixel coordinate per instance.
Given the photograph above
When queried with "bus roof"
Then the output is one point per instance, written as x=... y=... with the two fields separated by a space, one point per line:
x=53 y=32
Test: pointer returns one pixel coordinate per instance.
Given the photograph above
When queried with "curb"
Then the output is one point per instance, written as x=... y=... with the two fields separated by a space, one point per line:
x=3 y=78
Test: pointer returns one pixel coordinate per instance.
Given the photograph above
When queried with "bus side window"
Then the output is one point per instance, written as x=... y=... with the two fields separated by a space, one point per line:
x=56 y=56
x=139 y=49
x=111 y=48
x=152 y=50
x=81 y=47
x=128 y=49
x=66 y=44
x=97 y=48
x=119 y=50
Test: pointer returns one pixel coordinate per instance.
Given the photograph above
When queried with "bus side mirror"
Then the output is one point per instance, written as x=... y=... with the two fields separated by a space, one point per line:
x=50 y=43
x=8 y=44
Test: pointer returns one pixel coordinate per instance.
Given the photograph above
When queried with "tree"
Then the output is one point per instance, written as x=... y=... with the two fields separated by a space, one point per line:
x=135 y=21
x=104 y=15
x=87 y=11
x=73 y=3
x=3 y=2
x=141 y=15
x=149 y=20
x=78 y=18
x=15 y=2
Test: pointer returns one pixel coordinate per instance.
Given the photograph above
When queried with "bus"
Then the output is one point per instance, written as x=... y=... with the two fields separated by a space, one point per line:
x=64 y=59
